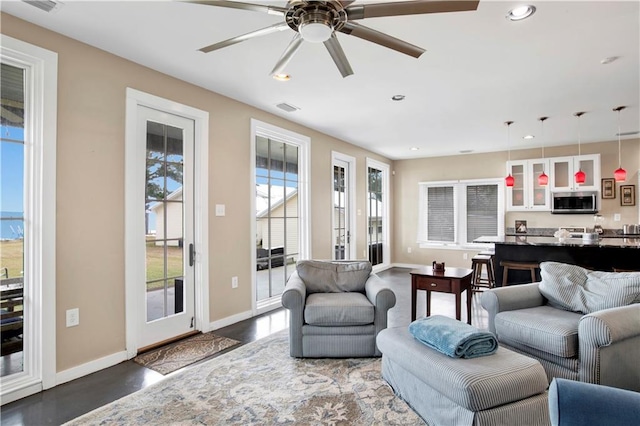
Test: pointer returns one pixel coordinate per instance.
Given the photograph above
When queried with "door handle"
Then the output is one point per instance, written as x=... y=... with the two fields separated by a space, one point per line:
x=192 y=255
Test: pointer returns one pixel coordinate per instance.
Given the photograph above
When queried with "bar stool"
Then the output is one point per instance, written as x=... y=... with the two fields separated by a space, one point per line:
x=477 y=263
x=521 y=266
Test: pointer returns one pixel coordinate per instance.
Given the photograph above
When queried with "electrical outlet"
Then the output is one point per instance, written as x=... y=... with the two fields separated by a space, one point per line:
x=465 y=256
x=73 y=317
x=616 y=217
x=234 y=282
x=408 y=249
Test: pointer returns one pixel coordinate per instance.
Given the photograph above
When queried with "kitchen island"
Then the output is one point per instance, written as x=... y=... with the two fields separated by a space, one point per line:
x=603 y=254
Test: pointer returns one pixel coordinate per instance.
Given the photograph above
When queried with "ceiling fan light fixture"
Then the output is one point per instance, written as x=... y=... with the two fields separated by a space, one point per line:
x=521 y=12
x=281 y=77
x=315 y=32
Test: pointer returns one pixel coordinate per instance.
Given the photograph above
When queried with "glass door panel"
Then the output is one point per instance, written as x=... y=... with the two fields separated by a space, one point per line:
x=13 y=226
x=340 y=236
x=164 y=210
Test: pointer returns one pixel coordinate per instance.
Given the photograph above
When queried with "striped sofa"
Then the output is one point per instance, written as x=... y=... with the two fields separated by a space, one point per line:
x=601 y=347
x=336 y=309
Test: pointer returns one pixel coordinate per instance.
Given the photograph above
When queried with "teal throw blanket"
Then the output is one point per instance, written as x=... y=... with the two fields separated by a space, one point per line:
x=453 y=338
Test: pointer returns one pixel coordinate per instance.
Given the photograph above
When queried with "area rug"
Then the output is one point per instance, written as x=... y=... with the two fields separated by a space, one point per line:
x=259 y=383
x=185 y=352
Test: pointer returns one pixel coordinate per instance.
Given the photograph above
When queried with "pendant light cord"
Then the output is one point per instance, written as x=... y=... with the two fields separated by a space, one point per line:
x=579 y=114
x=620 y=108
x=508 y=123
x=542 y=120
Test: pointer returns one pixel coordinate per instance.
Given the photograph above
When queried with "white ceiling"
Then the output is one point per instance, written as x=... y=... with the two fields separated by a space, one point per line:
x=479 y=69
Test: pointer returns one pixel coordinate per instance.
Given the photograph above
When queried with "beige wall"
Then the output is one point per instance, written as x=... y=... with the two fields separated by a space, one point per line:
x=476 y=166
x=90 y=160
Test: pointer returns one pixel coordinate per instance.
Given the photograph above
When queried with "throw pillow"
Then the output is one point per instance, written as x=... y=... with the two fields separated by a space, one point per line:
x=333 y=276
x=577 y=289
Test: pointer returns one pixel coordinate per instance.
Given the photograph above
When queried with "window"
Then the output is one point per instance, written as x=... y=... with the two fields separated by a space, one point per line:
x=458 y=212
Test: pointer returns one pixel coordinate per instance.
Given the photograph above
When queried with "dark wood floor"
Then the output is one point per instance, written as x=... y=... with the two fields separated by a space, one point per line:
x=70 y=400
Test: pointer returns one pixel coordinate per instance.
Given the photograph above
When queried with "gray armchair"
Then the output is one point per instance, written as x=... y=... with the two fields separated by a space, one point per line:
x=601 y=347
x=336 y=309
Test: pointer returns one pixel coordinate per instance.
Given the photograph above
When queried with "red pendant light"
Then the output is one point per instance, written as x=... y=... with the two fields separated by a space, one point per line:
x=580 y=176
x=543 y=179
x=620 y=174
x=509 y=180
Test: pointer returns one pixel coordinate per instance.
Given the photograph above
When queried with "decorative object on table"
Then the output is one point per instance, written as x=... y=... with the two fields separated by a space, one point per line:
x=627 y=195
x=437 y=266
x=562 y=234
x=580 y=176
x=543 y=179
x=620 y=174
x=521 y=238
x=521 y=226
x=608 y=188
x=509 y=180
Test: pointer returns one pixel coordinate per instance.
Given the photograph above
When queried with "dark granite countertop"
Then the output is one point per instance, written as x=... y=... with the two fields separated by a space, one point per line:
x=528 y=240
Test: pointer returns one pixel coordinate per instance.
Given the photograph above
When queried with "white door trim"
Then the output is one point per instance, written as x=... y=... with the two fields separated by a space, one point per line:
x=351 y=201
x=40 y=246
x=134 y=223
x=386 y=250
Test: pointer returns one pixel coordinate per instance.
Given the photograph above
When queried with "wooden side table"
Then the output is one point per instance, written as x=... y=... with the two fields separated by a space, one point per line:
x=451 y=280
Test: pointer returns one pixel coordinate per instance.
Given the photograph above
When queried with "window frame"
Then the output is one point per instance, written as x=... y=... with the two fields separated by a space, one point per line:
x=459 y=212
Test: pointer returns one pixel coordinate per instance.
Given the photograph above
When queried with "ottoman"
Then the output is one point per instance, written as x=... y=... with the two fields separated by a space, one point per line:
x=505 y=388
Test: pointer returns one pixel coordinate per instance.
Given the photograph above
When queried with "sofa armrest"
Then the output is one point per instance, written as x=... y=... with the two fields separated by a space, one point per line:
x=383 y=298
x=294 y=297
x=610 y=347
x=510 y=298
x=578 y=403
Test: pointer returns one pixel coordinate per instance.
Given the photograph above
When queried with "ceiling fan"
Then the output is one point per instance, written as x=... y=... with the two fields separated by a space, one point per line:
x=317 y=22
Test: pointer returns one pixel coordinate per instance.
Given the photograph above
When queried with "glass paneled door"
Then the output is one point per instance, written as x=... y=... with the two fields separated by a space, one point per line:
x=341 y=209
x=277 y=216
x=168 y=217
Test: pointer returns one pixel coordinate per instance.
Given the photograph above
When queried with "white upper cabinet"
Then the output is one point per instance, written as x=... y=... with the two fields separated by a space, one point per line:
x=563 y=170
x=527 y=194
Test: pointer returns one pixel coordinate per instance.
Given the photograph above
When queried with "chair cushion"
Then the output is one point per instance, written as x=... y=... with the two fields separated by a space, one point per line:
x=333 y=276
x=577 y=289
x=544 y=328
x=338 y=309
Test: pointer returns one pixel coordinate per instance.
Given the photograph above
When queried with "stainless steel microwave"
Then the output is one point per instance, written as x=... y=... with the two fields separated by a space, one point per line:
x=585 y=202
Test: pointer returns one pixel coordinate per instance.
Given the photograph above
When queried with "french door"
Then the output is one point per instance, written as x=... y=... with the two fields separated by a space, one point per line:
x=342 y=207
x=167 y=290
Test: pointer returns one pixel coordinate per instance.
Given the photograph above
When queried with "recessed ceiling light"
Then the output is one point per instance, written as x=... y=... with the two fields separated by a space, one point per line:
x=609 y=59
x=397 y=98
x=521 y=12
x=282 y=77
x=414 y=148
x=528 y=137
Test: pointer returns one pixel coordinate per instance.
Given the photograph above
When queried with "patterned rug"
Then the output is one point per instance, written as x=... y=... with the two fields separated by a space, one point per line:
x=259 y=383
x=185 y=352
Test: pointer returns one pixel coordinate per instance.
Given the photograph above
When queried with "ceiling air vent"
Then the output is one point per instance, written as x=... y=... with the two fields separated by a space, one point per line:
x=48 y=6
x=287 y=107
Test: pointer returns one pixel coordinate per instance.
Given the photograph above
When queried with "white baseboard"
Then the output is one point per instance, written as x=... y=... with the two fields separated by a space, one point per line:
x=230 y=320
x=90 y=367
x=10 y=395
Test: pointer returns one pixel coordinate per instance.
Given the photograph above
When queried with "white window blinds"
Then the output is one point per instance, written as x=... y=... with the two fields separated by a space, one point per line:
x=458 y=212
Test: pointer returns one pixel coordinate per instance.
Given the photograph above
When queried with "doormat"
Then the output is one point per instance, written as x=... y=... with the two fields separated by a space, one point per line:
x=174 y=356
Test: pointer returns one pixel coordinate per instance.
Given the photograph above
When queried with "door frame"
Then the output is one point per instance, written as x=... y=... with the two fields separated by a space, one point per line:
x=350 y=200
x=39 y=370
x=134 y=223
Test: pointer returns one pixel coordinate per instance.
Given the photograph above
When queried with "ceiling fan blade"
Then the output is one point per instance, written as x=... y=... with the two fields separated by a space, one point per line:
x=382 y=39
x=338 y=56
x=374 y=10
x=291 y=49
x=346 y=3
x=272 y=10
x=257 y=33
